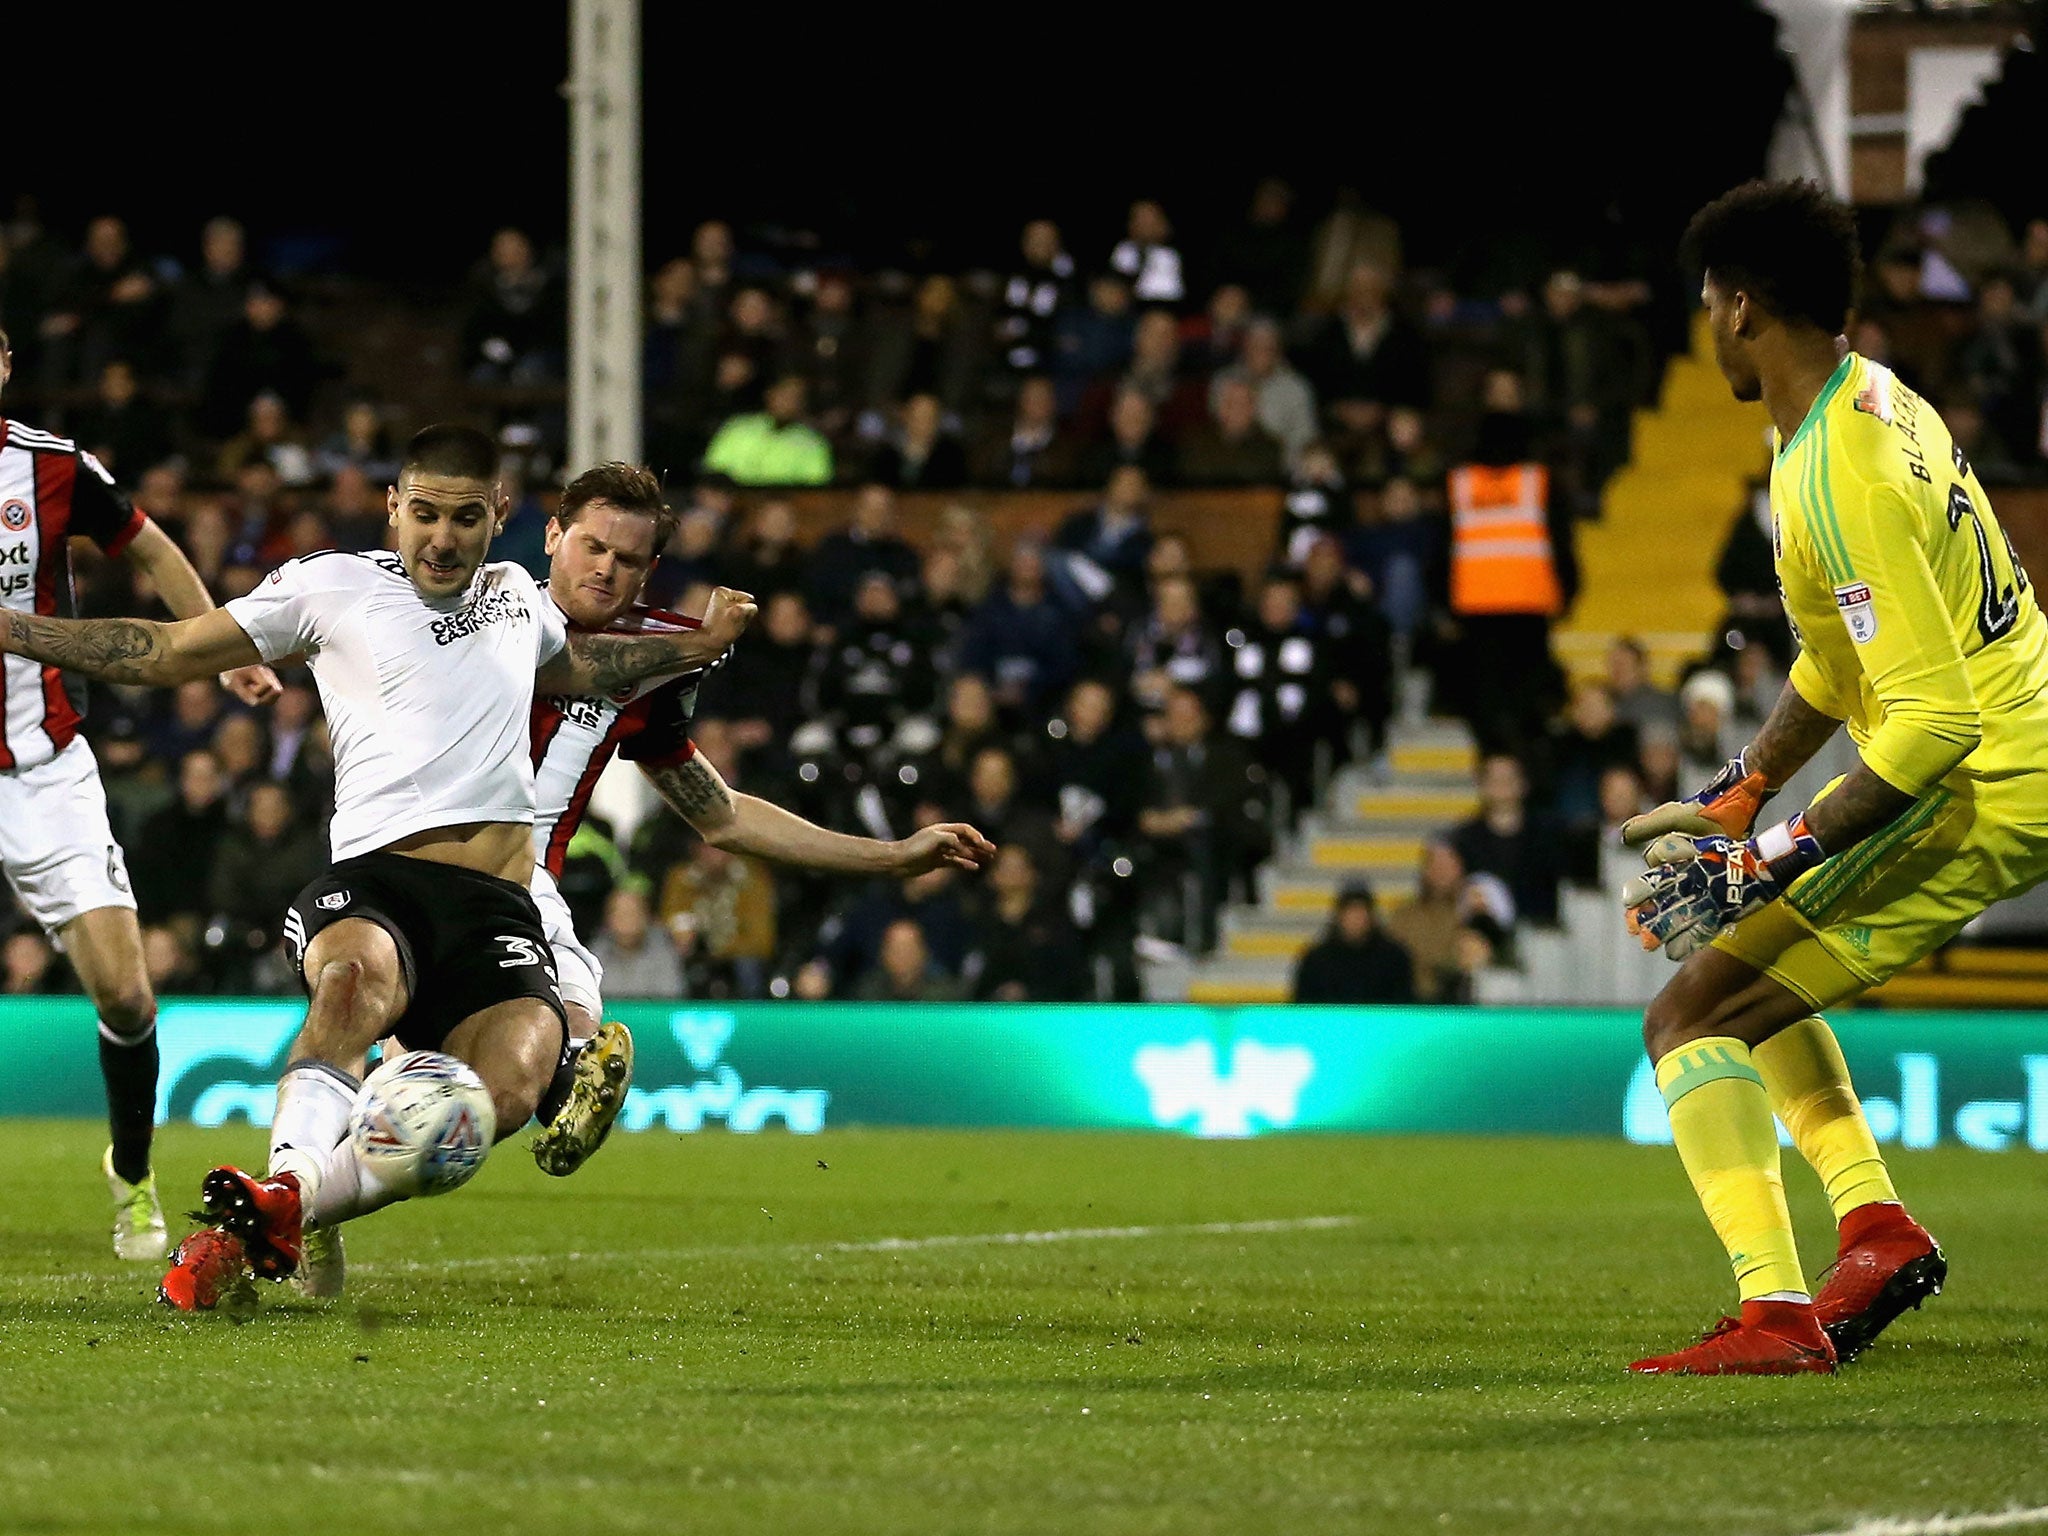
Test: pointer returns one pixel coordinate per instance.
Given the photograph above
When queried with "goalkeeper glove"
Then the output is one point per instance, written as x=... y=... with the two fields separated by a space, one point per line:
x=1698 y=886
x=1728 y=805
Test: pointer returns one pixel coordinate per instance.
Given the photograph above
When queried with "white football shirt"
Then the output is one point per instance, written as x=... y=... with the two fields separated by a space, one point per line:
x=428 y=702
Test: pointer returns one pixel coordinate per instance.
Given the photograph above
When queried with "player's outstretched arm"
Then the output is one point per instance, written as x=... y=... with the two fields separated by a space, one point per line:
x=155 y=553
x=131 y=650
x=604 y=663
x=747 y=824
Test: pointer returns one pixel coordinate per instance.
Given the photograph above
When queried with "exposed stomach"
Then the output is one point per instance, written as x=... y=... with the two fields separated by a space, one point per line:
x=501 y=848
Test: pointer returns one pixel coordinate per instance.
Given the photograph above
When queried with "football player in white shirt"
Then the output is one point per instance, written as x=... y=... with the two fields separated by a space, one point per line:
x=426 y=664
x=56 y=845
x=607 y=530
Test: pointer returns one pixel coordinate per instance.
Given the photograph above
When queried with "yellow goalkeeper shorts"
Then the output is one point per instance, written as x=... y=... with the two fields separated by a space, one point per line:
x=1901 y=894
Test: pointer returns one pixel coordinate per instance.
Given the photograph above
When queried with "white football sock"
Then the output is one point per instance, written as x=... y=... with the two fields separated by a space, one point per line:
x=347 y=1190
x=1799 y=1296
x=313 y=1101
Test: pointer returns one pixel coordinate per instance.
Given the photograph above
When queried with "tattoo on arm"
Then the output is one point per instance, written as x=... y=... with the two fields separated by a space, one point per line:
x=696 y=791
x=1861 y=804
x=1790 y=737
x=602 y=663
x=113 y=650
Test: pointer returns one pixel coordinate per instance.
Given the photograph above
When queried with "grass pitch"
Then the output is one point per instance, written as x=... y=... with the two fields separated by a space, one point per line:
x=716 y=1333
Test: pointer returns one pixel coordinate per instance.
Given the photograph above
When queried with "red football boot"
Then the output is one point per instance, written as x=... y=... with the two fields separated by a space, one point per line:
x=263 y=1213
x=1886 y=1263
x=1771 y=1338
x=210 y=1266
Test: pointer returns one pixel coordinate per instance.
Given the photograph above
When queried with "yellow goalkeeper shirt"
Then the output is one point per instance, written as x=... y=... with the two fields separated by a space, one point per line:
x=1916 y=622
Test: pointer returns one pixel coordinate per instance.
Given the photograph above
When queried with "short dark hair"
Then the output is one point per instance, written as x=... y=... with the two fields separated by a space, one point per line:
x=629 y=487
x=1787 y=244
x=449 y=448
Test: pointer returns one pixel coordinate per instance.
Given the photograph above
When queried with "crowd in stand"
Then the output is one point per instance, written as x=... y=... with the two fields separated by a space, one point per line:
x=1136 y=728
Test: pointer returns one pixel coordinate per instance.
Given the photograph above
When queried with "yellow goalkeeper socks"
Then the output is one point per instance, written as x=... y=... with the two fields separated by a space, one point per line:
x=1721 y=1122
x=1808 y=1082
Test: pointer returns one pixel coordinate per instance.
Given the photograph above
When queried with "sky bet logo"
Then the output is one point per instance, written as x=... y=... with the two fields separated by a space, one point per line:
x=1915 y=1118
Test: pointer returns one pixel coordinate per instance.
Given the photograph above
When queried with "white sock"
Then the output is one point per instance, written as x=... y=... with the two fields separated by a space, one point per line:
x=313 y=1102
x=1799 y=1296
x=348 y=1190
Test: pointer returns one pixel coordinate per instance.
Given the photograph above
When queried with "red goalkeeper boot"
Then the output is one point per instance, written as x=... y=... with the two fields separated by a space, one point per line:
x=264 y=1213
x=208 y=1268
x=1771 y=1338
x=1886 y=1263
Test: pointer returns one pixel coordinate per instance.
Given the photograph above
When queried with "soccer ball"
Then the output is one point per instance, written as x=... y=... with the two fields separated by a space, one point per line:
x=422 y=1123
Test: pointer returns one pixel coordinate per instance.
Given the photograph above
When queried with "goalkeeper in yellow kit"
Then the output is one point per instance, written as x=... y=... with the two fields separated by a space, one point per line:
x=1919 y=631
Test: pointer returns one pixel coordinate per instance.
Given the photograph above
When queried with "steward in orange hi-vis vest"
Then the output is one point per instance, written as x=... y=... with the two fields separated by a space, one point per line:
x=1501 y=556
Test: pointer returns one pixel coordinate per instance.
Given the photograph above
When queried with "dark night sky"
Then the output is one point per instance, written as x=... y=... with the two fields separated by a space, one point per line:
x=398 y=135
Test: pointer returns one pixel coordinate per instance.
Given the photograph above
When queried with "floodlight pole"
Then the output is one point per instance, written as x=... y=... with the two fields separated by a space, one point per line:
x=604 y=232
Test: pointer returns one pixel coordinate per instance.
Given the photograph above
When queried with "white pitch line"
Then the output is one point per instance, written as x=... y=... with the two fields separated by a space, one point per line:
x=870 y=1245
x=1944 y=1525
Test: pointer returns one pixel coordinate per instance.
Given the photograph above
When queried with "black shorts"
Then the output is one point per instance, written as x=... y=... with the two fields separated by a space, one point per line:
x=467 y=941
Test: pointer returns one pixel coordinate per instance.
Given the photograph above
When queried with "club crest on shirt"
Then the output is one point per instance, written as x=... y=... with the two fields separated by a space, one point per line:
x=333 y=901
x=1858 y=611
x=16 y=515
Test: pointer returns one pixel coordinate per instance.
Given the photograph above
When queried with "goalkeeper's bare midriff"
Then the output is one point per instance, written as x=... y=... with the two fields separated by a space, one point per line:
x=501 y=848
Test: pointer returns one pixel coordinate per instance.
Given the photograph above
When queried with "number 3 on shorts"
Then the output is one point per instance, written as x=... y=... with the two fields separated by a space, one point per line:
x=522 y=953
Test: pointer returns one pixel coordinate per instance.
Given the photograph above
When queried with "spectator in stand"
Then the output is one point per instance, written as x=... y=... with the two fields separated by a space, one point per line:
x=1232 y=448
x=1156 y=373
x=1025 y=949
x=362 y=443
x=905 y=973
x=271 y=438
x=31 y=965
x=241 y=749
x=1020 y=639
x=1505 y=841
x=1403 y=452
x=971 y=724
x=851 y=941
x=1216 y=340
x=109 y=305
x=1657 y=762
x=1134 y=440
x=1197 y=823
x=934 y=349
x=1706 y=738
x=769 y=559
x=258 y=869
x=1286 y=404
x=1280 y=705
x=172 y=965
x=1107 y=544
x=996 y=802
x=1092 y=341
x=1357 y=645
x=1269 y=254
x=1637 y=700
x=1748 y=573
x=775 y=446
x=266 y=350
x=768 y=686
x=515 y=327
x=921 y=453
x=868 y=543
x=879 y=671
x=125 y=431
x=2001 y=364
x=1094 y=765
x=355 y=510
x=1027 y=452
x=711 y=254
x=639 y=958
x=1354 y=962
x=677 y=355
x=1173 y=648
x=1589 y=741
x=197 y=706
x=1366 y=359
x=1595 y=855
x=1033 y=296
x=1428 y=926
x=1147 y=257
x=171 y=863
x=1402 y=551
x=292 y=715
x=753 y=329
x=719 y=907
x=206 y=302
x=1319 y=505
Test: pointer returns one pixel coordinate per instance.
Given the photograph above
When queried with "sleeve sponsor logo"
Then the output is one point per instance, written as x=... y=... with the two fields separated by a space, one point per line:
x=1859 y=612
